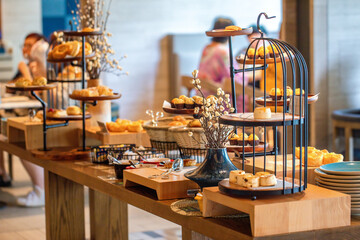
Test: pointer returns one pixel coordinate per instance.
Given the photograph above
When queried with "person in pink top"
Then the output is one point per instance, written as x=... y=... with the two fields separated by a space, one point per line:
x=215 y=62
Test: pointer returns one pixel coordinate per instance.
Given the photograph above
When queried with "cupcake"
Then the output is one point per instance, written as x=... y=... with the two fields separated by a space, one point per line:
x=233 y=139
x=183 y=97
x=199 y=102
x=278 y=93
x=242 y=137
x=173 y=102
x=273 y=52
x=253 y=140
x=251 y=53
x=179 y=103
x=264 y=52
x=297 y=92
x=289 y=92
x=189 y=103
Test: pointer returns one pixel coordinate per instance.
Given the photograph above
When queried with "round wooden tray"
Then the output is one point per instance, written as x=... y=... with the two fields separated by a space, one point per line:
x=31 y=88
x=178 y=111
x=247 y=148
x=270 y=102
x=69 y=59
x=80 y=33
x=259 y=61
x=226 y=33
x=236 y=190
x=96 y=98
x=247 y=119
x=69 y=117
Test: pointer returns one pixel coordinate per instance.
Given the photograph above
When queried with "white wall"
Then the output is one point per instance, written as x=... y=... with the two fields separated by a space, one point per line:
x=139 y=28
x=20 y=17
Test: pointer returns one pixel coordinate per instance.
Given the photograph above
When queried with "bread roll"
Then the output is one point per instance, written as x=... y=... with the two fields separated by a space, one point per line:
x=234 y=174
x=73 y=110
x=268 y=180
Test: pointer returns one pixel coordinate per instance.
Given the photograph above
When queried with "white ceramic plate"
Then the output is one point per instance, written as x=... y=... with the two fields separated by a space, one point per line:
x=338 y=180
x=346 y=185
x=342 y=168
x=326 y=175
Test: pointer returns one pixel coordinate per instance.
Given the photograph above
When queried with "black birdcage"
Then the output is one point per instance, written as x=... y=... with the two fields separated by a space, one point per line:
x=289 y=119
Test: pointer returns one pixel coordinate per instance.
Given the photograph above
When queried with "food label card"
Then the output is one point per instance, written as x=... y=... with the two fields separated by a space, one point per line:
x=102 y=126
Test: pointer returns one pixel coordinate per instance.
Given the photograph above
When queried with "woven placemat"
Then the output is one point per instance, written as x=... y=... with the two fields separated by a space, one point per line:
x=190 y=207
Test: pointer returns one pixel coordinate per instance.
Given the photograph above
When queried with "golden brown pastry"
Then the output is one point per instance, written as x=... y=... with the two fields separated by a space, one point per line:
x=297 y=92
x=178 y=118
x=232 y=28
x=176 y=123
x=88 y=29
x=60 y=51
x=263 y=52
x=194 y=123
x=277 y=91
x=23 y=82
x=88 y=50
x=233 y=139
x=135 y=127
x=251 y=53
x=179 y=103
x=104 y=91
x=73 y=110
x=56 y=113
x=273 y=52
x=189 y=103
x=315 y=158
x=253 y=140
x=39 y=81
x=115 y=127
x=189 y=162
x=183 y=97
x=73 y=48
x=332 y=158
x=289 y=92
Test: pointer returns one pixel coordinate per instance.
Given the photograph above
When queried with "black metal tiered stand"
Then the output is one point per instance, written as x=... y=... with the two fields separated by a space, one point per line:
x=293 y=121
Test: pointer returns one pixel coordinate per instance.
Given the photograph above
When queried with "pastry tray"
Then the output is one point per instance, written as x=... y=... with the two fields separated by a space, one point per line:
x=31 y=88
x=228 y=33
x=96 y=98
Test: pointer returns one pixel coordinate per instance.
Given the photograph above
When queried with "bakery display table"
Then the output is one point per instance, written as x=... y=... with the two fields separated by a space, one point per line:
x=64 y=206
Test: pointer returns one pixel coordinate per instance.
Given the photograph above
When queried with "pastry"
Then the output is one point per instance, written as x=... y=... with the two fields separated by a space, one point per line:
x=297 y=151
x=73 y=110
x=176 y=123
x=88 y=29
x=315 y=158
x=263 y=52
x=199 y=101
x=39 y=114
x=73 y=48
x=39 y=81
x=56 y=113
x=249 y=181
x=135 y=127
x=23 y=82
x=273 y=51
x=276 y=91
x=179 y=103
x=251 y=53
x=194 y=123
x=234 y=174
x=189 y=103
x=183 y=97
x=76 y=92
x=60 y=51
x=233 y=28
x=104 y=91
x=173 y=102
x=189 y=162
x=253 y=141
x=259 y=174
x=178 y=118
x=233 y=139
x=115 y=127
x=262 y=113
x=88 y=49
x=289 y=92
x=297 y=92
x=267 y=180
x=240 y=180
x=242 y=137
x=332 y=158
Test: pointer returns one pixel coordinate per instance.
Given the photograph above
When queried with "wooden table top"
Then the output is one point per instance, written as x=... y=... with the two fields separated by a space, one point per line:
x=87 y=174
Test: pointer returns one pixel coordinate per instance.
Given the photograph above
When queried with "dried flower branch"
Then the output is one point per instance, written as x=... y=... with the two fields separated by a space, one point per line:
x=213 y=108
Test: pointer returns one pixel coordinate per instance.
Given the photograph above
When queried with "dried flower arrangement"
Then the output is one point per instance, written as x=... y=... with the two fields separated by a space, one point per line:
x=95 y=14
x=213 y=108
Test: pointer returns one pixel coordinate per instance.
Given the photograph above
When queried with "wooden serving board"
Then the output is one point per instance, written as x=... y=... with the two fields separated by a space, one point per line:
x=315 y=208
x=140 y=138
x=228 y=33
x=174 y=187
x=62 y=154
x=95 y=98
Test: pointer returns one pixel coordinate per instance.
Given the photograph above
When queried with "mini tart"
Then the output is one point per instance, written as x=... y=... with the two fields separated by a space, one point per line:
x=289 y=92
x=262 y=113
x=251 y=53
x=273 y=52
x=199 y=102
x=233 y=28
x=234 y=139
x=278 y=93
x=263 y=52
x=234 y=174
x=189 y=103
x=297 y=92
x=267 y=180
x=332 y=158
x=253 y=141
x=183 y=97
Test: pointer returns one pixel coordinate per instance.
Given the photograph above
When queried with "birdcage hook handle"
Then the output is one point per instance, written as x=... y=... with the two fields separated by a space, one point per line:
x=258 y=22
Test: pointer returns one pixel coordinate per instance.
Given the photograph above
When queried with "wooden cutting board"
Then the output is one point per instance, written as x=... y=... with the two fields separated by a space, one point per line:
x=174 y=187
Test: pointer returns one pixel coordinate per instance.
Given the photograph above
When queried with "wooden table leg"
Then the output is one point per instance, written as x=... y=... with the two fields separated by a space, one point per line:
x=64 y=208
x=187 y=234
x=108 y=217
x=349 y=144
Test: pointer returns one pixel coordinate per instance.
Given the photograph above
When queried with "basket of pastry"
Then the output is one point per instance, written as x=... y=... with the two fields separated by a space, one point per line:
x=123 y=125
x=69 y=51
x=94 y=93
x=160 y=131
x=99 y=153
x=189 y=136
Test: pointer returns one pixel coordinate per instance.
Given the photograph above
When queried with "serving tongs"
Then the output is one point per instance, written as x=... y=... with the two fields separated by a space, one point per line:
x=141 y=157
x=176 y=166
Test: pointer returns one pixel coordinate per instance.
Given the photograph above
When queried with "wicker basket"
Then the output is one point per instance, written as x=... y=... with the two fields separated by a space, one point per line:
x=160 y=132
x=182 y=138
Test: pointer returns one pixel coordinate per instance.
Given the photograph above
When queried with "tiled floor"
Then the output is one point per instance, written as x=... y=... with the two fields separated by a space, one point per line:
x=29 y=223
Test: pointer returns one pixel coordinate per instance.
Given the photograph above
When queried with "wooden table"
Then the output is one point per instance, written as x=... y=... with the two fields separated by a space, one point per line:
x=64 y=206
